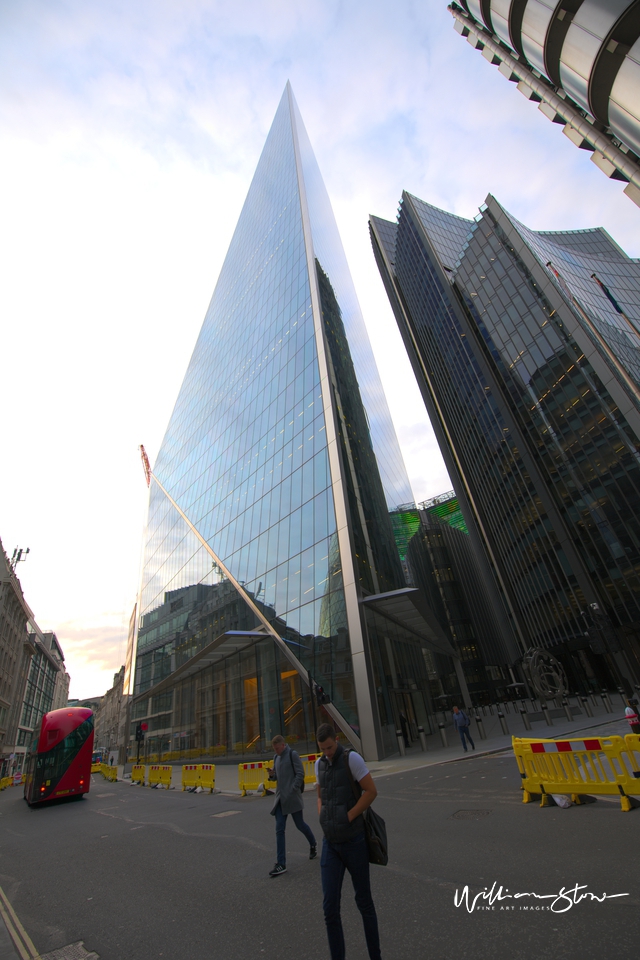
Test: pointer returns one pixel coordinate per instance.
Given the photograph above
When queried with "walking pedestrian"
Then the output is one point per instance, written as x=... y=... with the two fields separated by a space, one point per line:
x=289 y=772
x=344 y=846
x=631 y=713
x=462 y=723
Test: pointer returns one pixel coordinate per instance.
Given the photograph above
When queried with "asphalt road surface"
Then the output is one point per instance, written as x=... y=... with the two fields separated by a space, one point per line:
x=138 y=874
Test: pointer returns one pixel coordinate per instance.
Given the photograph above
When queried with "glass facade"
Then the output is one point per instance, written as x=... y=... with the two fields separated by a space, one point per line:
x=528 y=366
x=269 y=501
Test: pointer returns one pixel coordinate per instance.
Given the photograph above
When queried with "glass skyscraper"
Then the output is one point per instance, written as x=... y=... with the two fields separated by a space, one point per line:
x=270 y=561
x=526 y=346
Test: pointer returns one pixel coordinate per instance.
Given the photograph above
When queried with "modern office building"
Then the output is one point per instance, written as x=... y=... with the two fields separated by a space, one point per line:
x=526 y=347
x=579 y=60
x=270 y=560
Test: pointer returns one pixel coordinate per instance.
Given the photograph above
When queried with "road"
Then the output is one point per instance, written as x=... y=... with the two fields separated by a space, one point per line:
x=137 y=873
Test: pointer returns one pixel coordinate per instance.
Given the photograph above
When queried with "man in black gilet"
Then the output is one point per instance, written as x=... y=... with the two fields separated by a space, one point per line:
x=344 y=846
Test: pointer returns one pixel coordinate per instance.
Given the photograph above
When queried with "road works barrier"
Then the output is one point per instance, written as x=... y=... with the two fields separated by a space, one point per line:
x=6 y=782
x=199 y=775
x=208 y=776
x=109 y=772
x=253 y=776
x=309 y=764
x=190 y=775
x=160 y=775
x=579 y=768
x=95 y=767
x=138 y=773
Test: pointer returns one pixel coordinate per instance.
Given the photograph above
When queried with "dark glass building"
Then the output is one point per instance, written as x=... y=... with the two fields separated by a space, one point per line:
x=270 y=559
x=579 y=60
x=526 y=347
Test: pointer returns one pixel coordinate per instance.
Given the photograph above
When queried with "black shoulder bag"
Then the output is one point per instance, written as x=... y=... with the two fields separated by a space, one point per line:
x=375 y=830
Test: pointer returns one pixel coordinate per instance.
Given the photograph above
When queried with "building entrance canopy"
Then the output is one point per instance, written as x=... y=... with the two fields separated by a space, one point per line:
x=408 y=608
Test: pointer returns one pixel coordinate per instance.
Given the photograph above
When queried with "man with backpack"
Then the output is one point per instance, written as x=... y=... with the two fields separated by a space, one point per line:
x=461 y=722
x=289 y=772
x=341 y=805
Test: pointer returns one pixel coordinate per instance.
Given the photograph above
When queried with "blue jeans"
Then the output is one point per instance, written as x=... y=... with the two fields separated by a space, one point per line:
x=464 y=732
x=281 y=823
x=354 y=857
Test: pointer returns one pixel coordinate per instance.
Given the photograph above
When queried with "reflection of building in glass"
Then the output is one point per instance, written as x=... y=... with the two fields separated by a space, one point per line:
x=526 y=348
x=579 y=60
x=270 y=560
x=462 y=595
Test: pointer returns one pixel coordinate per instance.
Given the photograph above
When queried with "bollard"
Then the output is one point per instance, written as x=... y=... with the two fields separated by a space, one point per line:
x=525 y=719
x=480 y=723
x=593 y=699
x=587 y=706
x=443 y=734
x=491 y=709
x=423 y=739
x=503 y=722
x=606 y=702
x=547 y=716
x=400 y=740
x=567 y=709
x=623 y=696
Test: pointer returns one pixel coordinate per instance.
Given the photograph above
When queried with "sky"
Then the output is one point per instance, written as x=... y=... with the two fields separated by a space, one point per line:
x=129 y=134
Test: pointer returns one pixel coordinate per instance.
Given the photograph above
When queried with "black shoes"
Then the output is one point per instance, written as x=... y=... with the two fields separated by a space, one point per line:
x=277 y=870
x=313 y=851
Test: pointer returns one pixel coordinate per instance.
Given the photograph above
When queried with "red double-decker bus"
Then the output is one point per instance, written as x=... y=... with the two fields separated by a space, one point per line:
x=59 y=762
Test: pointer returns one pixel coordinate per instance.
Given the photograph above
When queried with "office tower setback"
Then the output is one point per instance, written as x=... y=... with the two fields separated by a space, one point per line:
x=526 y=347
x=579 y=60
x=270 y=564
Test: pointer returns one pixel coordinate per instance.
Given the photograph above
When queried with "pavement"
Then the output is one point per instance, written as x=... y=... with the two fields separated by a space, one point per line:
x=133 y=874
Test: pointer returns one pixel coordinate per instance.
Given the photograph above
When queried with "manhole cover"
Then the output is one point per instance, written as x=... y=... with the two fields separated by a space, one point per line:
x=470 y=815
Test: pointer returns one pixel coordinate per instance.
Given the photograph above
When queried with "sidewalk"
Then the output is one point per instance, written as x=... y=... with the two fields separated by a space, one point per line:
x=602 y=723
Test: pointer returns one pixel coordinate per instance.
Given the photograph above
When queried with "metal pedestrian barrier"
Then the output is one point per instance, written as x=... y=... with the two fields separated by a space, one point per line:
x=138 y=773
x=252 y=776
x=580 y=769
x=160 y=775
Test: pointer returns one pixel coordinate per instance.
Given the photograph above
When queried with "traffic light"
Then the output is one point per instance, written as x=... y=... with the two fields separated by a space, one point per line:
x=321 y=696
x=140 y=731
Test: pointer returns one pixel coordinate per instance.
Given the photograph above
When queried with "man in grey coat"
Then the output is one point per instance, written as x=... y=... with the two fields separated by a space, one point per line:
x=289 y=772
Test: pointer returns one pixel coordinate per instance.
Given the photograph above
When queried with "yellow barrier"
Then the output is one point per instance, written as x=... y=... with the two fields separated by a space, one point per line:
x=109 y=772
x=95 y=767
x=602 y=765
x=252 y=776
x=160 y=775
x=208 y=776
x=6 y=782
x=309 y=764
x=137 y=773
x=190 y=775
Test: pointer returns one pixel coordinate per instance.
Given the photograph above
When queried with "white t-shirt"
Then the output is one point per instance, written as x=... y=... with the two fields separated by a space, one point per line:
x=357 y=766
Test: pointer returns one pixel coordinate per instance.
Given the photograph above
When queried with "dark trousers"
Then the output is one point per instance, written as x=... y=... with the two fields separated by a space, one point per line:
x=354 y=857
x=281 y=823
x=464 y=732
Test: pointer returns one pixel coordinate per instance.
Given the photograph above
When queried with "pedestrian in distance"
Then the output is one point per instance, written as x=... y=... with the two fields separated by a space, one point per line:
x=462 y=723
x=289 y=772
x=631 y=713
x=341 y=775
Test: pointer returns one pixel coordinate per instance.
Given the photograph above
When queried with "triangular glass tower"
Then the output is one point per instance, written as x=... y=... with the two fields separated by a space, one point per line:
x=269 y=524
